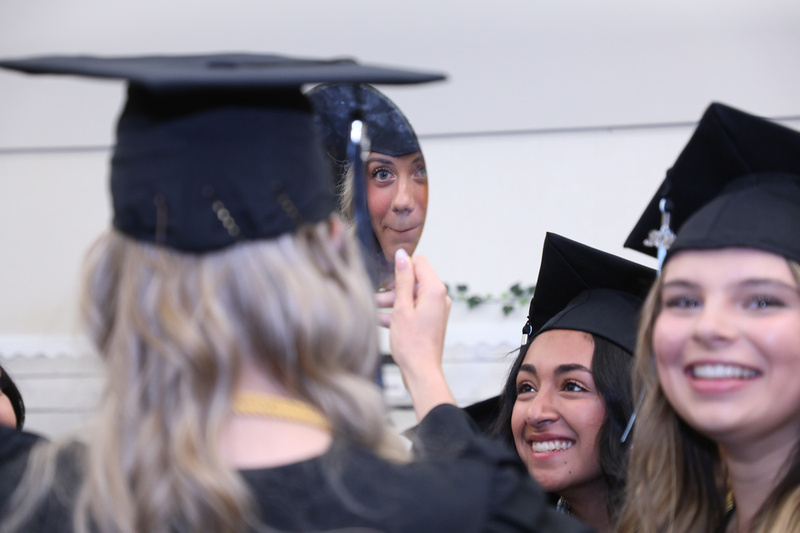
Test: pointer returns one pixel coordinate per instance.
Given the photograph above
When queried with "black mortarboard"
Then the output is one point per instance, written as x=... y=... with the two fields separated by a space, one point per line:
x=735 y=184
x=213 y=149
x=582 y=288
x=336 y=105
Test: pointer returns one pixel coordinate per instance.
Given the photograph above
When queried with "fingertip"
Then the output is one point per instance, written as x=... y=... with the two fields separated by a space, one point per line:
x=401 y=259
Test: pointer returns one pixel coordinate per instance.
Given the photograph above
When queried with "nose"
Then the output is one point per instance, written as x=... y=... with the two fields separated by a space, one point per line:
x=403 y=197
x=714 y=325
x=542 y=409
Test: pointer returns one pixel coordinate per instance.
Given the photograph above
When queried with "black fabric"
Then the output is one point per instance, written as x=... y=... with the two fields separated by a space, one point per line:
x=15 y=447
x=231 y=71
x=485 y=413
x=461 y=482
x=585 y=289
x=337 y=106
x=727 y=146
x=217 y=149
x=760 y=211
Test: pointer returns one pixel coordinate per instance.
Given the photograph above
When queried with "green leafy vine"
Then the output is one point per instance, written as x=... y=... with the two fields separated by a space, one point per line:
x=517 y=295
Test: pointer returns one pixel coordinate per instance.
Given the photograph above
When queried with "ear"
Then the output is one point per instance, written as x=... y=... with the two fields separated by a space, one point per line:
x=336 y=229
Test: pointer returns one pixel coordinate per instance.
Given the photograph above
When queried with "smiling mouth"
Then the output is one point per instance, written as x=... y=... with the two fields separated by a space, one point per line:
x=551 y=446
x=720 y=371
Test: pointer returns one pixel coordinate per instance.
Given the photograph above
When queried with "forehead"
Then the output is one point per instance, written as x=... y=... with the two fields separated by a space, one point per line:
x=727 y=264
x=408 y=158
x=560 y=347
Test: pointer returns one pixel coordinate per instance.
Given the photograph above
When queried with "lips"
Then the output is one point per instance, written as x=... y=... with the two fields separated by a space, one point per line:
x=721 y=371
x=403 y=229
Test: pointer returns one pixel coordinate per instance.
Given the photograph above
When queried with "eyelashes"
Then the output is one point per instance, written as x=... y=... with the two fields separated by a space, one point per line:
x=567 y=386
x=757 y=301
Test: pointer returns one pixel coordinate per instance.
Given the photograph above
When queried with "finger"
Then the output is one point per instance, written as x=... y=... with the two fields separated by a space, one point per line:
x=404 y=280
x=427 y=280
x=384 y=299
x=384 y=320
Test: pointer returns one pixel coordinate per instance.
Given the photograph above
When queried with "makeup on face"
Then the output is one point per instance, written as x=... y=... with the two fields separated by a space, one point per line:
x=727 y=342
x=397 y=198
x=559 y=412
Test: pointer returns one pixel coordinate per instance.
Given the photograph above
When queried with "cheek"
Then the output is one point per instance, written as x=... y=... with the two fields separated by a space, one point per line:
x=379 y=200
x=668 y=339
x=779 y=340
x=7 y=416
x=518 y=420
x=421 y=196
x=593 y=420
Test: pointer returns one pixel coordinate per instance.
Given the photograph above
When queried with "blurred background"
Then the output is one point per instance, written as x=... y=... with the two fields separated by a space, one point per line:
x=556 y=116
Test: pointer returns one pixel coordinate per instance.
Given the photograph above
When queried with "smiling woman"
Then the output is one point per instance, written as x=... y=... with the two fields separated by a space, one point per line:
x=719 y=350
x=397 y=198
x=732 y=333
x=568 y=394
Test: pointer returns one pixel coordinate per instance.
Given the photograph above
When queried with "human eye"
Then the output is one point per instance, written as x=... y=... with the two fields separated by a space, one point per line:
x=763 y=301
x=382 y=174
x=421 y=172
x=573 y=386
x=681 y=301
x=525 y=387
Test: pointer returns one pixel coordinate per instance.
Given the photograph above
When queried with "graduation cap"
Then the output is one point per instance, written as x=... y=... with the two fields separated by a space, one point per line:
x=579 y=288
x=735 y=184
x=337 y=105
x=585 y=289
x=215 y=149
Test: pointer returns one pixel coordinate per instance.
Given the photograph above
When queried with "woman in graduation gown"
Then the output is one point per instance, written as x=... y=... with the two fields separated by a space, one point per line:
x=567 y=398
x=230 y=305
x=715 y=443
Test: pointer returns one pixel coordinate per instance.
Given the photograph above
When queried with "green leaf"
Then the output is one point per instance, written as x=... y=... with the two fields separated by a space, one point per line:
x=507 y=310
x=474 y=301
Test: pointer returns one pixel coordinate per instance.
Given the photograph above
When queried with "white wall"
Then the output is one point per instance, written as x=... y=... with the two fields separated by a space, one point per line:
x=532 y=132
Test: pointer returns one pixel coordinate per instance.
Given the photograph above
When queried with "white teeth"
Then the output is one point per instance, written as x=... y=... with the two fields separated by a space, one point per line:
x=719 y=371
x=550 y=446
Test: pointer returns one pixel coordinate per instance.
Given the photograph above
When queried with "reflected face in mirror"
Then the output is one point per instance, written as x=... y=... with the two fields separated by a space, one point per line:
x=397 y=199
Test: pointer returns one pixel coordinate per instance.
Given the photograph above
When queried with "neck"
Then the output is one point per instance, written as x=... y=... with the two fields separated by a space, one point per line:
x=251 y=441
x=753 y=472
x=589 y=506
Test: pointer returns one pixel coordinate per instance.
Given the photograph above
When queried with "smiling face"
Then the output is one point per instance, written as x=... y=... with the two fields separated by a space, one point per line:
x=397 y=196
x=558 y=414
x=727 y=344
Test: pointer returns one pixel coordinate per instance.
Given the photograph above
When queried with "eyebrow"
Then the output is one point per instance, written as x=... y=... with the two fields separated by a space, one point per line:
x=380 y=160
x=560 y=369
x=750 y=282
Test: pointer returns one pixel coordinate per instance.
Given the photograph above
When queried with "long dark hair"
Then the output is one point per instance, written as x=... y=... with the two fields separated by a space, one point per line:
x=611 y=371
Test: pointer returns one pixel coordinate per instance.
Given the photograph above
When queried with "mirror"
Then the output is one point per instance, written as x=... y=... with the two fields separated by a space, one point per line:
x=392 y=169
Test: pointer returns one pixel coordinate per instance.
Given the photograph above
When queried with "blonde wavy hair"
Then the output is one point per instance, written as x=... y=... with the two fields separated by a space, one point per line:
x=676 y=477
x=174 y=329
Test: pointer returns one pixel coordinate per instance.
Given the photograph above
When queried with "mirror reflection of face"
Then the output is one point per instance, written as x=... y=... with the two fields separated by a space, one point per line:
x=397 y=198
x=559 y=412
x=727 y=344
